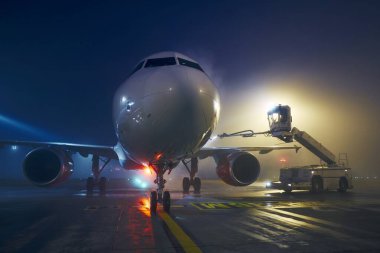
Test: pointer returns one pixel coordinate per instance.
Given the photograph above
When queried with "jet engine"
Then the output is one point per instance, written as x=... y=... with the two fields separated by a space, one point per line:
x=46 y=167
x=238 y=168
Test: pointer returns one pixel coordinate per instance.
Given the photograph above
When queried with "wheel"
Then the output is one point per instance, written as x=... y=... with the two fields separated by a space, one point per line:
x=197 y=185
x=102 y=185
x=316 y=185
x=90 y=185
x=288 y=190
x=153 y=202
x=343 y=184
x=166 y=201
x=186 y=184
x=159 y=196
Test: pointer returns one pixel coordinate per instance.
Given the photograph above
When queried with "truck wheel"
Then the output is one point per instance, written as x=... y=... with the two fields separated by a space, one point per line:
x=316 y=185
x=343 y=184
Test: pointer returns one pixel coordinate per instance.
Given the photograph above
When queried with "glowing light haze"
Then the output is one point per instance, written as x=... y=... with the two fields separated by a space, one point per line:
x=62 y=62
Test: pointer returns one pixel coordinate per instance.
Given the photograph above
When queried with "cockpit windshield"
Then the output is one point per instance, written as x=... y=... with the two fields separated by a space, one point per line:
x=139 y=66
x=189 y=64
x=158 y=62
x=167 y=61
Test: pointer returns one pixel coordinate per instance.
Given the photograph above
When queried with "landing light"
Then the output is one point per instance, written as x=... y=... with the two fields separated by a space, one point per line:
x=268 y=184
x=14 y=147
x=147 y=170
x=216 y=107
x=139 y=183
x=289 y=185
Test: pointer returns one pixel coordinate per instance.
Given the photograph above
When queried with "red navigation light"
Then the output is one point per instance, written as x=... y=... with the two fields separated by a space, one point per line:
x=158 y=156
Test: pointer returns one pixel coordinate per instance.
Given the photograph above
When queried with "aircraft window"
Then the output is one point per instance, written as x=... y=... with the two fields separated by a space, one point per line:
x=189 y=64
x=158 y=62
x=139 y=66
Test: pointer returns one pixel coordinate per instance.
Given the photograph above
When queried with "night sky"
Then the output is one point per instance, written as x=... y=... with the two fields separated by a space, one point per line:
x=62 y=61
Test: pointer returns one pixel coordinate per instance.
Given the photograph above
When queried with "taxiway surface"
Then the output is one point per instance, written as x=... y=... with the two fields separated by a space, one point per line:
x=220 y=219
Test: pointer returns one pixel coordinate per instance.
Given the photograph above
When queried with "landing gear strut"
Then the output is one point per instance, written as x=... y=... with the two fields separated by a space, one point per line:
x=95 y=180
x=194 y=181
x=160 y=196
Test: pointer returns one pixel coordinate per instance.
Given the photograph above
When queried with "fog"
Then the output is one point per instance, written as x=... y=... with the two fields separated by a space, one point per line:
x=343 y=119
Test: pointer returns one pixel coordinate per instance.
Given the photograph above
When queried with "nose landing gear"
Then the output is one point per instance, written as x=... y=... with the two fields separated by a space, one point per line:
x=192 y=181
x=160 y=196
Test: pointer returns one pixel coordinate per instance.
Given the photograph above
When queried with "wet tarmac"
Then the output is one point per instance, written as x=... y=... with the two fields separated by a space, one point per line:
x=220 y=219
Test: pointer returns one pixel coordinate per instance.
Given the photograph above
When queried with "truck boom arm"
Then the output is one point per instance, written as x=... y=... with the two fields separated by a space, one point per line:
x=280 y=126
x=313 y=146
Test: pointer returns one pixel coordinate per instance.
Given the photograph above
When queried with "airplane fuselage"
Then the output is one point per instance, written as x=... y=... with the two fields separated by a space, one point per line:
x=165 y=112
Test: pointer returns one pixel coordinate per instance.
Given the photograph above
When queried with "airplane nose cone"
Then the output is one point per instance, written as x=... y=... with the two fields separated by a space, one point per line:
x=175 y=116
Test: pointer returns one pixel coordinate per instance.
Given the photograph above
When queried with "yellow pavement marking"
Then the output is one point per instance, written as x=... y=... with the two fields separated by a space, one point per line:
x=195 y=205
x=184 y=240
x=221 y=205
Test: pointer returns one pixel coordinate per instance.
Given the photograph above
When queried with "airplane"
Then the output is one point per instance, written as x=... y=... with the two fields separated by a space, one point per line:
x=163 y=114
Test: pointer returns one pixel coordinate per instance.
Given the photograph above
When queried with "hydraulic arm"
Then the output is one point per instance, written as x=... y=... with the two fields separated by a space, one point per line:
x=280 y=126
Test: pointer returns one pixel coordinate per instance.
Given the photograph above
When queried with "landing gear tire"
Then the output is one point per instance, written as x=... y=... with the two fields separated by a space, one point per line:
x=287 y=191
x=102 y=185
x=166 y=201
x=343 y=185
x=153 y=202
x=90 y=183
x=197 y=185
x=186 y=185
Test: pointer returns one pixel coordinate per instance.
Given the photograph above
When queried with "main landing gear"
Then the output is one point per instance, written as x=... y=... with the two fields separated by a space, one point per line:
x=95 y=180
x=160 y=196
x=192 y=181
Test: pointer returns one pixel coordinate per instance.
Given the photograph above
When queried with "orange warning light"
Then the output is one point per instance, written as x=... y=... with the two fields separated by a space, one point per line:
x=148 y=169
x=158 y=156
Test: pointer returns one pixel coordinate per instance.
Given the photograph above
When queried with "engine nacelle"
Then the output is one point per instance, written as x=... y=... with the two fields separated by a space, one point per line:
x=238 y=169
x=46 y=167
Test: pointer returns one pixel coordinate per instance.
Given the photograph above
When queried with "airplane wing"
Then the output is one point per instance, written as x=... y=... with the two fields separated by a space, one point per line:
x=206 y=152
x=83 y=150
x=114 y=152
